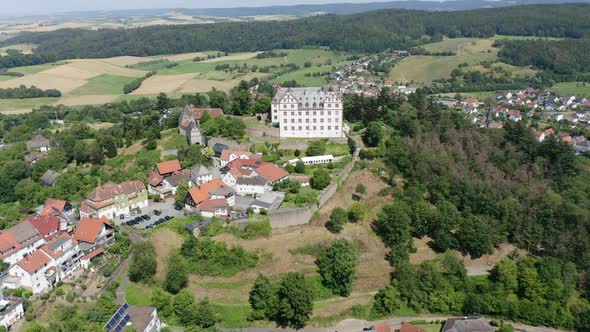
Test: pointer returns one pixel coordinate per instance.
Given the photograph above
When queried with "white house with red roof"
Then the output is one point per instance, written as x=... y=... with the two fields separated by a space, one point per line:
x=19 y=241
x=199 y=197
x=93 y=234
x=231 y=155
x=33 y=272
x=42 y=269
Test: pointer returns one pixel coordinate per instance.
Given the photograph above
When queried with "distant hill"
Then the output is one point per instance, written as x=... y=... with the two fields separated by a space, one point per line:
x=373 y=31
x=299 y=10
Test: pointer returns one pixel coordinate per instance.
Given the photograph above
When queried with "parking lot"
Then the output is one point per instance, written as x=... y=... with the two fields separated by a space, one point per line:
x=149 y=217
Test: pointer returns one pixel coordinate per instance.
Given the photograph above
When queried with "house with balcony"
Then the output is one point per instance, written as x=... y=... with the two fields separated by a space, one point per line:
x=112 y=200
x=94 y=234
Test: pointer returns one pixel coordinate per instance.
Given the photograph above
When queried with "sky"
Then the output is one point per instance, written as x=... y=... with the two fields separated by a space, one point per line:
x=32 y=7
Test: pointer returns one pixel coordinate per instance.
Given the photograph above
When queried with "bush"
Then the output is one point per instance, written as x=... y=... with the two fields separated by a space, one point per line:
x=320 y=179
x=338 y=218
x=207 y=257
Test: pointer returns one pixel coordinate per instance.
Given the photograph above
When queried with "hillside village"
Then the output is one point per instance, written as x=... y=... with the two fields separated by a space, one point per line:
x=275 y=173
x=550 y=114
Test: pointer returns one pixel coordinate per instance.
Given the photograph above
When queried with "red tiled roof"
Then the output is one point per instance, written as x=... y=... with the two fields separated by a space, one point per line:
x=201 y=193
x=58 y=253
x=213 y=112
x=7 y=241
x=226 y=153
x=211 y=204
x=167 y=167
x=154 y=178
x=382 y=327
x=271 y=172
x=88 y=229
x=93 y=254
x=407 y=327
x=44 y=224
x=549 y=132
x=34 y=261
x=54 y=203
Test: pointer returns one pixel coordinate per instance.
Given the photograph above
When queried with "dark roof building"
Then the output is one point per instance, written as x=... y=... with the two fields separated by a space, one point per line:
x=49 y=178
x=467 y=324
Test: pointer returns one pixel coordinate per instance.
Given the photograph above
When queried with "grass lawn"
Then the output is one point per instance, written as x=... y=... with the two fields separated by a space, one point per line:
x=501 y=37
x=29 y=70
x=337 y=149
x=461 y=46
x=104 y=84
x=171 y=139
x=27 y=103
x=6 y=78
x=572 y=88
x=233 y=316
x=425 y=69
x=137 y=294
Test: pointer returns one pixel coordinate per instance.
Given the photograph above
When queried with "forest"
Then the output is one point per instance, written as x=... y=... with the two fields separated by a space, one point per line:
x=565 y=60
x=366 y=32
x=470 y=190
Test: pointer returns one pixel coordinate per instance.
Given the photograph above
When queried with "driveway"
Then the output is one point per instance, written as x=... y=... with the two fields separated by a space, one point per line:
x=166 y=207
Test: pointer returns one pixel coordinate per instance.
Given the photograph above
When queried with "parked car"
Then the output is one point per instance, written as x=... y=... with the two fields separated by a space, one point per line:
x=157 y=212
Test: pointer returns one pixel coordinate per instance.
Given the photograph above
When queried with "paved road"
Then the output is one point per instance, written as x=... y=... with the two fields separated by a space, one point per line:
x=357 y=325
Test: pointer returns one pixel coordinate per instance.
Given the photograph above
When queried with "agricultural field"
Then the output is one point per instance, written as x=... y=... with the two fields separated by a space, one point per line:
x=423 y=69
x=23 y=48
x=98 y=81
x=573 y=88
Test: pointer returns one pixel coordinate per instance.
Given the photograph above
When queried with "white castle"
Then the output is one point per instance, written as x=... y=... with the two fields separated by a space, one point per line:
x=308 y=112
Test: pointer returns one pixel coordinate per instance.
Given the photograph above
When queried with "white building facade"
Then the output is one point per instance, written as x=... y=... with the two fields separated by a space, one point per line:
x=308 y=112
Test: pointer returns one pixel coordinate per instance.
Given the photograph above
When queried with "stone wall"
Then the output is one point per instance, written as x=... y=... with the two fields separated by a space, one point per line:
x=288 y=217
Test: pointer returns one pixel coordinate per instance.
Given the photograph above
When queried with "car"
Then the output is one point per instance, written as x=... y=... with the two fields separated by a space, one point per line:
x=129 y=223
x=157 y=212
x=122 y=217
x=177 y=208
x=167 y=218
x=132 y=213
x=148 y=218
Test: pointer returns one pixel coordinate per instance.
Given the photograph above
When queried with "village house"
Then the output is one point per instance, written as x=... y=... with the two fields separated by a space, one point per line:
x=113 y=200
x=53 y=262
x=19 y=241
x=268 y=201
x=308 y=112
x=215 y=190
x=33 y=272
x=252 y=186
x=190 y=123
x=201 y=174
x=38 y=143
x=248 y=168
x=12 y=311
x=94 y=234
x=137 y=318
x=48 y=226
x=231 y=155
x=61 y=209
x=49 y=177
x=467 y=324
x=65 y=255
x=166 y=187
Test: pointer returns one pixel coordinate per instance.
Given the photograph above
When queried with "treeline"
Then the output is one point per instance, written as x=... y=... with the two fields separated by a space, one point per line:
x=4 y=72
x=23 y=92
x=566 y=59
x=136 y=83
x=367 y=32
x=18 y=59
